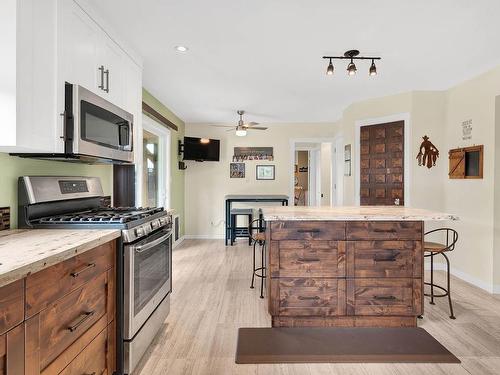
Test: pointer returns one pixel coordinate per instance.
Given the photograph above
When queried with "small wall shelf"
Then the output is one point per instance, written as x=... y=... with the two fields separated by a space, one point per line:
x=466 y=163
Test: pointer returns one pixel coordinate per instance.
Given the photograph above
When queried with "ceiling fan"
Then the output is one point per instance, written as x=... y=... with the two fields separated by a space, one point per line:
x=242 y=127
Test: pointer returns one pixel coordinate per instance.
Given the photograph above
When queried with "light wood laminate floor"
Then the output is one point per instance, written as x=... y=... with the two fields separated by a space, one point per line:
x=211 y=299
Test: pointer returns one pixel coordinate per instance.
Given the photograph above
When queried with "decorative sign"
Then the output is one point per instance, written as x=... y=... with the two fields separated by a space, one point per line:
x=347 y=160
x=252 y=153
x=4 y=218
x=265 y=172
x=237 y=170
x=467 y=129
x=427 y=153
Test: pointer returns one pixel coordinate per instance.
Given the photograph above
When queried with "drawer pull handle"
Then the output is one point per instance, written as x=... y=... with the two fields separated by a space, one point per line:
x=378 y=230
x=308 y=259
x=86 y=268
x=308 y=298
x=391 y=259
x=83 y=319
x=389 y=298
x=308 y=230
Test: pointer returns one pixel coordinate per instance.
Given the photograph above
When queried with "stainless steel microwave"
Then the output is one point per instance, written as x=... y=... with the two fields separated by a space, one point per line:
x=96 y=128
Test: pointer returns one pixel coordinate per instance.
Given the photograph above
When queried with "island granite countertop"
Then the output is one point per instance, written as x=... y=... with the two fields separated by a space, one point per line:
x=26 y=251
x=353 y=213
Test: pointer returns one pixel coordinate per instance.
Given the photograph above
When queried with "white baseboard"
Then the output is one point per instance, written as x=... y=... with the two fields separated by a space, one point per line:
x=465 y=277
x=204 y=236
x=178 y=242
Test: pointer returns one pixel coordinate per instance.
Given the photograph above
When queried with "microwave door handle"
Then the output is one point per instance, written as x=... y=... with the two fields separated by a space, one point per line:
x=149 y=245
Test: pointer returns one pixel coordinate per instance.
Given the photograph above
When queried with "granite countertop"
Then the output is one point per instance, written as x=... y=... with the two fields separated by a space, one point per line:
x=354 y=213
x=26 y=251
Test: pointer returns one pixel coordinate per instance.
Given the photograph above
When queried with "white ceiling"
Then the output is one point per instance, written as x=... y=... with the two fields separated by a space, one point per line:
x=264 y=56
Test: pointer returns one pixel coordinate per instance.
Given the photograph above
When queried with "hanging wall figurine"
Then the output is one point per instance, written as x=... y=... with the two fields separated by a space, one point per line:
x=427 y=153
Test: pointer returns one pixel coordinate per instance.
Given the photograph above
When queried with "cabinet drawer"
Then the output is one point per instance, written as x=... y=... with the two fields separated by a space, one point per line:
x=384 y=230
x=66 y=320
x=307 y=230
x=311 y=258
x=384 y=296
x=92 y=360
x=11 y=305
x=310 y=296
x=384 y=259
x=50 y=284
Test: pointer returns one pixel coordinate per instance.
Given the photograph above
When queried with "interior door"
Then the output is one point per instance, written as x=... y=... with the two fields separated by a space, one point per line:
x=382 y=164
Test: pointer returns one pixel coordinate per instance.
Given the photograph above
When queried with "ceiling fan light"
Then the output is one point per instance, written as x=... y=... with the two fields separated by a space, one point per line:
x=241 y=131
x=330 y=69
x=351 y=68
x=204 y=140
x=373 y=69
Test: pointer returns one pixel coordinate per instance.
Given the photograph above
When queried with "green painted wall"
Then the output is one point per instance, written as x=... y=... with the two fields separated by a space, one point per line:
x=11 y=167
x=177 y=182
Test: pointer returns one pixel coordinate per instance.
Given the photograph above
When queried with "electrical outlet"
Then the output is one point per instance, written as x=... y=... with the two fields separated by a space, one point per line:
x=4 y=218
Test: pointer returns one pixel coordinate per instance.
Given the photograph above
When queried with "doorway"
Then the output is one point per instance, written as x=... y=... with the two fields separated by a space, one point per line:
x=314 y=172
x=155 y=164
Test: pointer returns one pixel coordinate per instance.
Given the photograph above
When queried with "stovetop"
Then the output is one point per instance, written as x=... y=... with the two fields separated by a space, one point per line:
x=118 y=215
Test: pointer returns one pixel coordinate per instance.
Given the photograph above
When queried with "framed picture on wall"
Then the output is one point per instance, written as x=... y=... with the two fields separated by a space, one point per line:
x=265 y=172
x=237 y=170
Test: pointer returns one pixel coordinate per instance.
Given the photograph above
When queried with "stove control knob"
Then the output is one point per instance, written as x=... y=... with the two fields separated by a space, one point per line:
x=163 y=221
x=155 y=224
x=139 y=232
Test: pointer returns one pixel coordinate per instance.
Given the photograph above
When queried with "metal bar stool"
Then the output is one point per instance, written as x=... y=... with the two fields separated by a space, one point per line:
x=259 y=238
x=434 y=248
x=241 y=231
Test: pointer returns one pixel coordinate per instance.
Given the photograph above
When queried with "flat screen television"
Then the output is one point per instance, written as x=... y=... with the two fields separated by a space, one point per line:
x=194 y=149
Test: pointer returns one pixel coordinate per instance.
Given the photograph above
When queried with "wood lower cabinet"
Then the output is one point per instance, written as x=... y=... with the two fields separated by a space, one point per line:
x=345 y=273
x=61 y=320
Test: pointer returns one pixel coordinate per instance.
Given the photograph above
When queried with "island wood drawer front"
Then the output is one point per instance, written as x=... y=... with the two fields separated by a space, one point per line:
x=92 y=360
x=384 y=230
x=50 y=284
x=11 y=305
x=68 y=318
x=311 y=258
x=384 y=259
x=384 y=297
x=308 y=230
x=12 y=352
x=309 y=296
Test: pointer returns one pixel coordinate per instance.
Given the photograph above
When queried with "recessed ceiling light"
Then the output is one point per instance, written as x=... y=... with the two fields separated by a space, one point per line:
x=181 y=48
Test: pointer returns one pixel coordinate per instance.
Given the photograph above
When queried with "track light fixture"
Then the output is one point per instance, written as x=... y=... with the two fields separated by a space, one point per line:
x=351 y=67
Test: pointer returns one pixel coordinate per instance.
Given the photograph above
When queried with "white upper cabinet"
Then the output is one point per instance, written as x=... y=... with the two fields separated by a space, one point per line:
x=49 y=43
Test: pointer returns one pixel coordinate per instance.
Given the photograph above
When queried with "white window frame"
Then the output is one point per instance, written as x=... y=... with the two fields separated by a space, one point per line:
x=164 y=173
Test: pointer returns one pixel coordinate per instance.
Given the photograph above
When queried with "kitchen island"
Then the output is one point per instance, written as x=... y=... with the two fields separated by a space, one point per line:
x=346 y=266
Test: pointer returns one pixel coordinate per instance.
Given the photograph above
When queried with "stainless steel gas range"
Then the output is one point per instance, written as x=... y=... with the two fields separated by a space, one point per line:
x=144 y=259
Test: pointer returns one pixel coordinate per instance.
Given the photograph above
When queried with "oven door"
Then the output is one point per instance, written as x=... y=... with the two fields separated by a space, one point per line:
x=102 y=129
x=148 y=278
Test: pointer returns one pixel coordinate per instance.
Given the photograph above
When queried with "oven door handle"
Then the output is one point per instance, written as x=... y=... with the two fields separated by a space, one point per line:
x=149 y=245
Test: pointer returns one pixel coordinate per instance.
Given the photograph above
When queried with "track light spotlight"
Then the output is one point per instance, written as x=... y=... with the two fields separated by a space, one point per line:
x=351 y=68
x=373 y=69
x=330 y=69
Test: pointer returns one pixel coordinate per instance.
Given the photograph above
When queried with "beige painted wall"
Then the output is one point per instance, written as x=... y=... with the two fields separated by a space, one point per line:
x=207 y=183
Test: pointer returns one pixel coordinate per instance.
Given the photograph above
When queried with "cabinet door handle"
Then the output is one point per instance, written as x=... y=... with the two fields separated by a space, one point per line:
x=389 y=298
x=84 y=317
x=308 y=230
x=378 y=230
x=106 y=72
x=101 y=69
x=308 y=259
x=392 y=258
x=86 y=268
x=308 y=298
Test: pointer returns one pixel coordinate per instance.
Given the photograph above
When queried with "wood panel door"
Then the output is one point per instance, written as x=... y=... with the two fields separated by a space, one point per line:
x=382 y=164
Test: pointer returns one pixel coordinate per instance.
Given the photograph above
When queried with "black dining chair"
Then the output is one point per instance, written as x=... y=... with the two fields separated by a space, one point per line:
x=432 y=249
